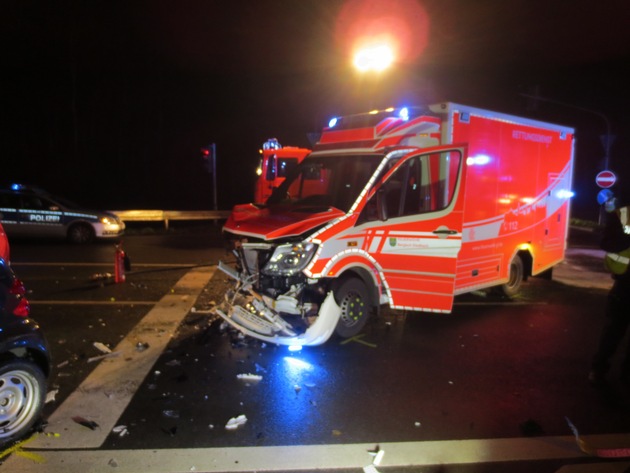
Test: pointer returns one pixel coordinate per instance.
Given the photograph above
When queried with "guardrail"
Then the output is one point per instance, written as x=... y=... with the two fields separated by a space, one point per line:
x=168 y=215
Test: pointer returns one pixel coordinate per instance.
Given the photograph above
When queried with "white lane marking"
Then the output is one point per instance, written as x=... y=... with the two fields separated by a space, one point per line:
x=310 y=457
x=111 y=265
x=91 y=303
x=109 y=388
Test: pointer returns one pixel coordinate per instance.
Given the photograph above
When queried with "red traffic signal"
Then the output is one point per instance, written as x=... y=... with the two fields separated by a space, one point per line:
x=207 y=157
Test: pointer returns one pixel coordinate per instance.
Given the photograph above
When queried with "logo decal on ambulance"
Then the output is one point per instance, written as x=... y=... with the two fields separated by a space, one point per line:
x=392 y=242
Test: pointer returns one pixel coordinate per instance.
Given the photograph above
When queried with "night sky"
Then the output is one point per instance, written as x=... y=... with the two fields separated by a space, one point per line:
x=108 y=102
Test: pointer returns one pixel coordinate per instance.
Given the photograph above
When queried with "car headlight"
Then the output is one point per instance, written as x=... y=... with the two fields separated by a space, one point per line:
x=289 y=259
x=110 y=221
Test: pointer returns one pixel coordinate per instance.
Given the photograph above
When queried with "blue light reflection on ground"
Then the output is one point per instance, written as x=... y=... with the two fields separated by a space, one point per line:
x=291 y=391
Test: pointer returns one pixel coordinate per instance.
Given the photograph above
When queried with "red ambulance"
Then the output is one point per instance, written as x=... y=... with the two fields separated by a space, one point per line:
x=406 y=208
x=276 y=162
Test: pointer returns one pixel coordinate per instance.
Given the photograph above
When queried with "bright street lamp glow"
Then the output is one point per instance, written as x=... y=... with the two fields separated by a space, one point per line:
x=375 y=58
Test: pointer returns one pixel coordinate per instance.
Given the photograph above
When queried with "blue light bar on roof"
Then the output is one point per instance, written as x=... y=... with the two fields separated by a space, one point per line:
x=404 y=113
x=333 y=121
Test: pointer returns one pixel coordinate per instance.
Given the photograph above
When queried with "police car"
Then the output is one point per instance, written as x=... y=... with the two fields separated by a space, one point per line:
x=32 y=212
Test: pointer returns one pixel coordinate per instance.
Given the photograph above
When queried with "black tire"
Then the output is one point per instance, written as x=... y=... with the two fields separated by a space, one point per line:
x=516 y=276
x=22 y=396
x=354 y=299
x=80 y=233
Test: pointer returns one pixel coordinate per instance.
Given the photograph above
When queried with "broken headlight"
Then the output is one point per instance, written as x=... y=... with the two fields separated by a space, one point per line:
x=289 y=259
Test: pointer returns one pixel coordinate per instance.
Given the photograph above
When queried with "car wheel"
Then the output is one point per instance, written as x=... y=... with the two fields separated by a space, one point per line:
x=22 y=394
x=80 y=233
x=513 y=286
x=353 y=298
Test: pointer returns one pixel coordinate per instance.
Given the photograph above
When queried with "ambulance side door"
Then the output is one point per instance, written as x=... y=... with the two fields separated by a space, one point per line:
x=413 y=226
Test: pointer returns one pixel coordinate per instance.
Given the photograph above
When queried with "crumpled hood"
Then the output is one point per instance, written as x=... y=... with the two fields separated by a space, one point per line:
x=270 y=223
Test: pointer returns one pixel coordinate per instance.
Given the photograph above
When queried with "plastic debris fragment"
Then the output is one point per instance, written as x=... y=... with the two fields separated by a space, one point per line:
x=50 y=396
x=171 y=413
x=102 y=347
x=235 y=422
x=121 y=430
x=250 y=378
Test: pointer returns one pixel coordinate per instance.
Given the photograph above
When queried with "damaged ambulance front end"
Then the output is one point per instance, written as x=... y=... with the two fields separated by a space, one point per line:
x=275 y=297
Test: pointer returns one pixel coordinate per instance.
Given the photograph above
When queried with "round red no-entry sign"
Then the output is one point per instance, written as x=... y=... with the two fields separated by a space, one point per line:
x=605 y=179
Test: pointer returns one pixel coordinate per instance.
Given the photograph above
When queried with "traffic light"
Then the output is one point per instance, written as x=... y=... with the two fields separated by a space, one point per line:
x=208 y=157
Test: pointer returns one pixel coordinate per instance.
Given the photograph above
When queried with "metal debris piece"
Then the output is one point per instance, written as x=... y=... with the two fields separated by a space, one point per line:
x=90 y=424
x=101 y=277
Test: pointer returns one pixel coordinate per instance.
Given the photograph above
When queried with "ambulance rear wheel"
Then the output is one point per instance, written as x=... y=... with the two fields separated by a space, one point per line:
x=354 y=300
x=516 y=276
x=80 y=233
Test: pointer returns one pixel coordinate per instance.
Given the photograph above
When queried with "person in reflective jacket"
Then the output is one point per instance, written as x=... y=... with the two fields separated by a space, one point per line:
x=615 y=241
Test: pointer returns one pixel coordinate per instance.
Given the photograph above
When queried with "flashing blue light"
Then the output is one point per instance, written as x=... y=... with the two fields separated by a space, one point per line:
x=404 y=113
x=333 y=121
x=565 y=194
x=15 y=187
x=480 y=160
x=295 y=347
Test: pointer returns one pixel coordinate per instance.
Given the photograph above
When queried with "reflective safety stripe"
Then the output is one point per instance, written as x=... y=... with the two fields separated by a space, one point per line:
x=617 y=263
x=618 y=258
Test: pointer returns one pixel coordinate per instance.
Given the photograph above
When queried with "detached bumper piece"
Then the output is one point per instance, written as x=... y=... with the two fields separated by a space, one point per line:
x=254 y=315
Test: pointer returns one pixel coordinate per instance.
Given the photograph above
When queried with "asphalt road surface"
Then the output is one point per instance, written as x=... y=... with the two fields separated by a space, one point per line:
x=490 y=387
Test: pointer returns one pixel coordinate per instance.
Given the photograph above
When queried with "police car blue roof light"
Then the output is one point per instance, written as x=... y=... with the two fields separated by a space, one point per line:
x=404 y=113
x=16 y=187
x=333 y=121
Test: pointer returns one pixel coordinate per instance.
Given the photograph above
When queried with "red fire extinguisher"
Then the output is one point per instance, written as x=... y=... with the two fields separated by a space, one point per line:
x=119 y=264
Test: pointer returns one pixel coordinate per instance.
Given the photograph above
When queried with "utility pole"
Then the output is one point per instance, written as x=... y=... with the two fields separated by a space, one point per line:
x=209 y=160
x=214 y=175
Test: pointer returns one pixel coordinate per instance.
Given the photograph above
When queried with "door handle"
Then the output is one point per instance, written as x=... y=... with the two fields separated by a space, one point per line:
x=445 y=231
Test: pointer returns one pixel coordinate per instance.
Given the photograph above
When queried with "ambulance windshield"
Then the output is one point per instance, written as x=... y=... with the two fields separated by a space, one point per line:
x=326 y=181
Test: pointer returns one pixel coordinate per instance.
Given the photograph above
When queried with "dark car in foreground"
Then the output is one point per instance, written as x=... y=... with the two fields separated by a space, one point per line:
x=24 y=360
x=32 y=212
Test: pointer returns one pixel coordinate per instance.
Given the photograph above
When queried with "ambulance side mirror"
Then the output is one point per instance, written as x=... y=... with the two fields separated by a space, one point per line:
x=381 y=204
